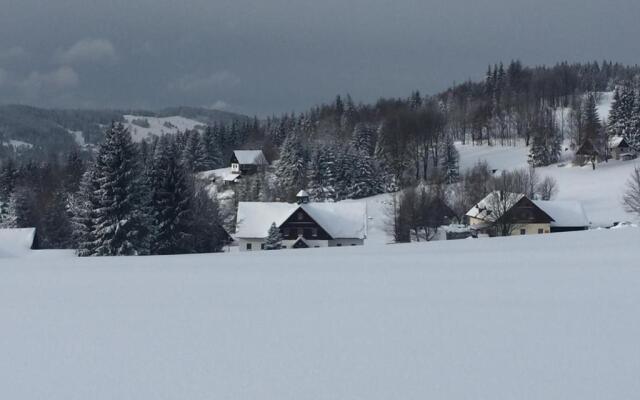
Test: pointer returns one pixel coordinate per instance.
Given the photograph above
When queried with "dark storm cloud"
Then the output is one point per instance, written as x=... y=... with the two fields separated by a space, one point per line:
x=264 y=56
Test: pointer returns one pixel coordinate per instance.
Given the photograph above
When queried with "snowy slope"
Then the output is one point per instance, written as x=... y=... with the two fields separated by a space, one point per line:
x=541 y=317
x=159 y=125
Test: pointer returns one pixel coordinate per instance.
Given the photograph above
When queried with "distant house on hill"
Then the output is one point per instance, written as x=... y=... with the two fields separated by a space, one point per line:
x=247 y=162
x=506 y=214
x=302 y=225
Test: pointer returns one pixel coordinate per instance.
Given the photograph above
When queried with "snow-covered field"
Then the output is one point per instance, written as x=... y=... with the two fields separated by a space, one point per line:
x=159 y=126
x=539 y=317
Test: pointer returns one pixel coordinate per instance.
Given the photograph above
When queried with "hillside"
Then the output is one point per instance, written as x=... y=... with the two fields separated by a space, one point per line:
x=51 y=130
x=551 y=316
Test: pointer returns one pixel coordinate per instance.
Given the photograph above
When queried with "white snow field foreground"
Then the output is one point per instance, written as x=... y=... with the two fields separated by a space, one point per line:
x=538 y=317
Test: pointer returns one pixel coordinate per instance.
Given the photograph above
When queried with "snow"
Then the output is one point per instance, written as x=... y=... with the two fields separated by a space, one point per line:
x=251 y=157
x=539 y=317
x=564 y=213
x=341 y=220
x=78 y=136
x=159 y=126
x=224 y=174
x=16 y=242
x=17 y=144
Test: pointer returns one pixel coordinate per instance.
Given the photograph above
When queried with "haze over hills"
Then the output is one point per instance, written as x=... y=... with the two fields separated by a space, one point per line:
x=57 y=130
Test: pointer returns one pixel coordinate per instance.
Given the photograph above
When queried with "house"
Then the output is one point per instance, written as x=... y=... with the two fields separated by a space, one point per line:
x=247 y=162
x=617 y=146
x=504 y=214
x=516 y=214
x=303 y=224
x=16 y=241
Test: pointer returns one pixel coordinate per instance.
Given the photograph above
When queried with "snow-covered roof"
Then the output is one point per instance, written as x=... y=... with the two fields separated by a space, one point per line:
x=566 y=214
x=342 y=220
x=485 y=209
x=253 y=157
x=615 y=141
x=302 y=193
x=14 y=242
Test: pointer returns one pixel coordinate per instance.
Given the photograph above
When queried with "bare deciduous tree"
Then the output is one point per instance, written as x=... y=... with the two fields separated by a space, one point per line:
x=632 y=195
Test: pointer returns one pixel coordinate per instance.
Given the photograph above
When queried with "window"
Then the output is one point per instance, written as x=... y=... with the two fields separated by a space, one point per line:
x=540 y=231
x=339 y=244
x=262 y=246
x=314 y=232
x=248 y=246
x=300 y=231
x=523 y=231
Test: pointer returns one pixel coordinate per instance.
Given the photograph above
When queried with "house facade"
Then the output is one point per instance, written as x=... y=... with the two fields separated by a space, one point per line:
x=509 y=214
x=302 y=225
x=617 y=145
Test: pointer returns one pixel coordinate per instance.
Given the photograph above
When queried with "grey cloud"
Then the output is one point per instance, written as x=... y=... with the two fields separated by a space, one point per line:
x=198 y=82
x=61 y=78
x=88 y=50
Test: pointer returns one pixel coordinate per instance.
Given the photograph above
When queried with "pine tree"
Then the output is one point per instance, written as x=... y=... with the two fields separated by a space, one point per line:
x=194 y=155
x=170 y=203
x=56 y=229
x=213 y=157
x=363 y=139
x=274 y=238
x=120 y=218
x=8 y=217
x=450 y=160
x=208 y=234
x=83 y=209
x=291 y=167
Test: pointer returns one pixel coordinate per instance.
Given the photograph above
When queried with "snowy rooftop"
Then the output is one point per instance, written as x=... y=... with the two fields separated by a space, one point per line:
x=250 y=157
x=341 y=220
x=224 y=174
x=615 y=141
x=14 y=242
x=565 y=213
x=485 y=208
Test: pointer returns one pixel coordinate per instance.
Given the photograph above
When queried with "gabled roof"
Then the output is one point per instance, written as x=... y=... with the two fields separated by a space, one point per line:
x=485 y=209
x=302 y=193
x=566 y=214
x=617 y=141
x=342 y=220
x=252 y=157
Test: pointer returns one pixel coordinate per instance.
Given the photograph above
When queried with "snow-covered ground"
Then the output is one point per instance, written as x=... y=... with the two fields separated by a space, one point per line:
x=159 y=125
x=17 y=144
x=540 y=317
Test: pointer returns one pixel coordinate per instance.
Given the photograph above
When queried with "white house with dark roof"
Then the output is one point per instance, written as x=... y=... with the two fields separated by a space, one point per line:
x=302 y=225
x=526 y=216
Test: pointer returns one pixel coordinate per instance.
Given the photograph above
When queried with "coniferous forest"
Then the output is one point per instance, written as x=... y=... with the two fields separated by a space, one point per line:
x=127 y=198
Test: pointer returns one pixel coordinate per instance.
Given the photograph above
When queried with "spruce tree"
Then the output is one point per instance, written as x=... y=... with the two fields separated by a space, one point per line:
x=120 y=218
x=170 y=202
x=291 y=167
x=450 y=161
x=209 y=235
x=274 y=238
x=83 y=208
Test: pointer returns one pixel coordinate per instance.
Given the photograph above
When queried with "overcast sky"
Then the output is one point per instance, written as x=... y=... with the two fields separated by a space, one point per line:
x=272 y=56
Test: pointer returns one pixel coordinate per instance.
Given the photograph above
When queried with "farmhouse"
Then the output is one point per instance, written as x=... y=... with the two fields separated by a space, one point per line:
x=502 y=213
x=247 y=162
x=302 y=225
